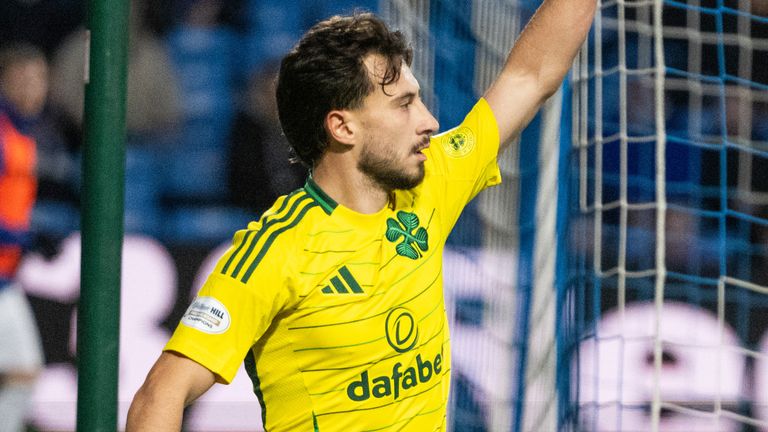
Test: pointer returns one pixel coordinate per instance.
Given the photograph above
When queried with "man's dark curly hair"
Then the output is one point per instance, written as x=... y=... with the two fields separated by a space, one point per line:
x=325 y=71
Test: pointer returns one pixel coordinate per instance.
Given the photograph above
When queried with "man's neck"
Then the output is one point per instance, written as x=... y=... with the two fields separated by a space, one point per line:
x=349 y=187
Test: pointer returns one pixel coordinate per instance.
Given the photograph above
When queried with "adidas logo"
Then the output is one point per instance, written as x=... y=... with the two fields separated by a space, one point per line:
x=344 y=285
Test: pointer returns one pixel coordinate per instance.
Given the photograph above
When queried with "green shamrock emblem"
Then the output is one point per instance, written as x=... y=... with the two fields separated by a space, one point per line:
x=408 y=222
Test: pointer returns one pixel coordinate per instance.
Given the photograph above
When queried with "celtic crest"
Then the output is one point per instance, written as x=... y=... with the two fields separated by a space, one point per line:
x=414 y=238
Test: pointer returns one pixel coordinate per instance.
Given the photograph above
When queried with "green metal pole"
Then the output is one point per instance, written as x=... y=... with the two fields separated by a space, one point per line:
x=98 y=330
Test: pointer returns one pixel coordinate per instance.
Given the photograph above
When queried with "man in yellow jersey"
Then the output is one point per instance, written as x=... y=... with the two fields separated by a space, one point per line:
x=334 y=297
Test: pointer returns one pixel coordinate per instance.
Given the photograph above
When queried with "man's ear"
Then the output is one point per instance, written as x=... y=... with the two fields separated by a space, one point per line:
x=340 y=126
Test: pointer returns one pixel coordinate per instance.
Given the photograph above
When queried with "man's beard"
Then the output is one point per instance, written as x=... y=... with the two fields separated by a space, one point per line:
x=383 y=170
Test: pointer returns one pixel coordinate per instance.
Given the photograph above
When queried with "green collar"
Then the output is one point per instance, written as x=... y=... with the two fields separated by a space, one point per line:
x=326 y=203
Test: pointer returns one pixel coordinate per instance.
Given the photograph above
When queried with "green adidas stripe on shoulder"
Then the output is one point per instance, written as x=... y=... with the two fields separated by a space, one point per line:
x=250 y=233
x=253 y=237
x=267 y=229
x=272 y=236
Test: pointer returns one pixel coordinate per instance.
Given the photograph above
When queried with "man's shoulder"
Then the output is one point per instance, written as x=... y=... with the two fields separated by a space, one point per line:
x=291 y=207
x=285 y=223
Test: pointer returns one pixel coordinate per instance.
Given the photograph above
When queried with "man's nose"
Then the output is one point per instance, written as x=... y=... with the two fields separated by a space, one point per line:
x=429 y=123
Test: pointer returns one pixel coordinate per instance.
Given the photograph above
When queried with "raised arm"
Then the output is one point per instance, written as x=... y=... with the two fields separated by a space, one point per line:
x=173 y=383
x=538 y=62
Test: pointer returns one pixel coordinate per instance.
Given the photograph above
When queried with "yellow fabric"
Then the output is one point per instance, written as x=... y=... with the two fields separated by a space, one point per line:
x=340 y=315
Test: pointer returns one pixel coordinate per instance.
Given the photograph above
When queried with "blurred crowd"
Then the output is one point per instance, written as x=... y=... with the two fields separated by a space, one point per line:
x=204 y=149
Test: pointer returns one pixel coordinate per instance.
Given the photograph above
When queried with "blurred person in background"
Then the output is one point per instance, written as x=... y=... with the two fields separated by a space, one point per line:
x=153 y=100
x=259 y=167
x=23 y=90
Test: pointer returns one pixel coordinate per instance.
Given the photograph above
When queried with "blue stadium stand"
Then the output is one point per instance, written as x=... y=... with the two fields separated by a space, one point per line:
x=205 y=62
x=143 y=182
x=203 y=225
x=195 y=174
x=275 y=26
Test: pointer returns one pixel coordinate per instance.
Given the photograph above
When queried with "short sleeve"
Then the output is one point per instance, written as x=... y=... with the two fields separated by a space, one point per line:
x=228 y=315
x=461 y=162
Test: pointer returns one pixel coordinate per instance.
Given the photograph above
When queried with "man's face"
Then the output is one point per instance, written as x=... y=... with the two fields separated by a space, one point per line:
x=25 y=86
x=396 y=128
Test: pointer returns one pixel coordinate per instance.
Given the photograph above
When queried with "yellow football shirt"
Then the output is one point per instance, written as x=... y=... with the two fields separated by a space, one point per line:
x=339 y=315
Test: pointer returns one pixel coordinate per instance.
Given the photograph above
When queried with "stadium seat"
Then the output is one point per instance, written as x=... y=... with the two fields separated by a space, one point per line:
x=204 y=59
x=194 y=174
x=273 y=28
x=209 y=225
